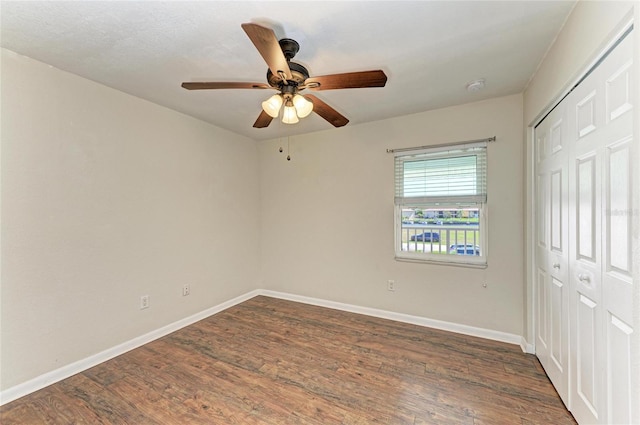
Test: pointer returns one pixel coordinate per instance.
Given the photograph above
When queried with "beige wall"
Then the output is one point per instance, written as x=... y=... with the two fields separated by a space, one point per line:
x=327 y=218
x=106 y=197
x=587 y=30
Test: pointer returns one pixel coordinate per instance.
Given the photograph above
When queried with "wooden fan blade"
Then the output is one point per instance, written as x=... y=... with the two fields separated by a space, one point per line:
x=224 y=85
x=326 y=111
x=263 y=120
x=349 y=80
x=267 y=44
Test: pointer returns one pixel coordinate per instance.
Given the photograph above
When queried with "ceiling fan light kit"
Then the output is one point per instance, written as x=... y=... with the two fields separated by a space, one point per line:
x=272 y=105
x=289 y=79
x=298 y=105
x=302 y=105
x=289 y=115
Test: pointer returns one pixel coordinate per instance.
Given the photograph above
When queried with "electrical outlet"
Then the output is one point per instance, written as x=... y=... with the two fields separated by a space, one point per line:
x=391 y=285
x=144 y=302
x=186 y=290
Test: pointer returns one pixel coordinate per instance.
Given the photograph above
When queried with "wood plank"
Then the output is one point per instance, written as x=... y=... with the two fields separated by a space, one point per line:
x=269 y=361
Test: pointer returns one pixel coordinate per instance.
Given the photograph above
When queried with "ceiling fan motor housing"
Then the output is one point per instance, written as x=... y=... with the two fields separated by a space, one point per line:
x=289 y=48
x=298 y=72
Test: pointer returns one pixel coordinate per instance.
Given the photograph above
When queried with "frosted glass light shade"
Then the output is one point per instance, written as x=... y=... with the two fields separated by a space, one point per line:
x=303 y=106
x=289 y=116
x=272 y=105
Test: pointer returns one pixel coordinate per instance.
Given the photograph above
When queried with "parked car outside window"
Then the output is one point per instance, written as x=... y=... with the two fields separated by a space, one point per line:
x=464 y=249
x=426 y=237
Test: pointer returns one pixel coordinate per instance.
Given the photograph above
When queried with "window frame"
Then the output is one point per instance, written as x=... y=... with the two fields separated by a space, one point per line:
x=478 y=201
x=460 y=260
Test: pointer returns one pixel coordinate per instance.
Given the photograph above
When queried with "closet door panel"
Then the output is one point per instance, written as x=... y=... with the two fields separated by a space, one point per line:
x=587 y=381
x=542 y=312
x=552 y=249
x=585 y=315
x=542 y=249
x=601 y=259
x=558 y=266
x=618 y=261
x=586 y=214
x=585 y=253
x=619 y=371
x=618 y=207
x=557 y=212
x=558 y=319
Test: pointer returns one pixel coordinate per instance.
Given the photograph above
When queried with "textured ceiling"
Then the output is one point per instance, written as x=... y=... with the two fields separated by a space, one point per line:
x=428 y=49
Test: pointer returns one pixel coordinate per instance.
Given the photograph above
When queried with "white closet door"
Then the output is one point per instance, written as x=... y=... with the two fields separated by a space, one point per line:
x=584 y=254
x=601 y=255
x=586 y=192
x=552 y=250
x=618 y=262
x=542 y=213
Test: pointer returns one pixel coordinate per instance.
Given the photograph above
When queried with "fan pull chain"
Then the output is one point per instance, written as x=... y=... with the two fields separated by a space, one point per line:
x=280 y=149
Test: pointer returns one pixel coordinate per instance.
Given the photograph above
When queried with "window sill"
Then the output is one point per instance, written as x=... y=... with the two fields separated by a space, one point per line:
x=479 y=265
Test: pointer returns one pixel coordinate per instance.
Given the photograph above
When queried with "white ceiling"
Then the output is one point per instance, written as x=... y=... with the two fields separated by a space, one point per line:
x=429 y=50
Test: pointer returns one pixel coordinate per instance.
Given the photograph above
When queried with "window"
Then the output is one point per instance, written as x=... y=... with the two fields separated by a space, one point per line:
x=440 y=205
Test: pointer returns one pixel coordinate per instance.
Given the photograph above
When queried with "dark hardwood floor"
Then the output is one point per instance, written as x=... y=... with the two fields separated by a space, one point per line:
x=270 y=361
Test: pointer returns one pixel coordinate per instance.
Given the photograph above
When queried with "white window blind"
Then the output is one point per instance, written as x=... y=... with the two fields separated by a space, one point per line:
x=442 y=175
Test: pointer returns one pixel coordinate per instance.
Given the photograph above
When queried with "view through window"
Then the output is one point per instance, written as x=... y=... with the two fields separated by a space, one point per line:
x=440 y=205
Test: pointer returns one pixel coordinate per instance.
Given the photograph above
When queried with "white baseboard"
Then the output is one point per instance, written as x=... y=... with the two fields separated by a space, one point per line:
x=39 y=382
x=527 y=347
x=406 y=318
x=64 y=372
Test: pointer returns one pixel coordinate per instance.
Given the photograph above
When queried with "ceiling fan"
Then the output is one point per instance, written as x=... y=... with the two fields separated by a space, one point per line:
x=289 y=79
